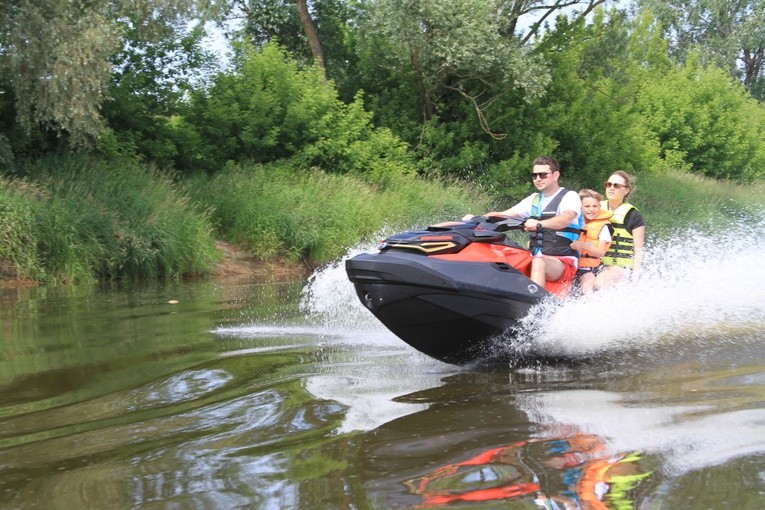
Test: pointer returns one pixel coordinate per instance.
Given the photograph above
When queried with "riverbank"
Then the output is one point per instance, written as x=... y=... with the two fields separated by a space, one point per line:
x=236 y=263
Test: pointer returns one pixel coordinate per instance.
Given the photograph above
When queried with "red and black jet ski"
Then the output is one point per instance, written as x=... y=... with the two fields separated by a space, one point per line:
x=450 y=289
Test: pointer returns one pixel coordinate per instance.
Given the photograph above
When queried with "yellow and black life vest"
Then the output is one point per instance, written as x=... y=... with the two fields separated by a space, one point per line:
x=622 y=250
x=591 y=234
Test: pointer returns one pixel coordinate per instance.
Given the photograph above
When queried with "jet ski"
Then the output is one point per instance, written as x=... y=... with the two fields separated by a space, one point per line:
x=451 y=289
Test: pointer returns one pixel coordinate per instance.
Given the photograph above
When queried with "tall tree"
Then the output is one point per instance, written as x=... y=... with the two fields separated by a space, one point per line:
x=57 y=55
x=309 y=28
x=454 y=46
x=526 y=18
x=471 y=49
x=288 y=21
x=728 y=33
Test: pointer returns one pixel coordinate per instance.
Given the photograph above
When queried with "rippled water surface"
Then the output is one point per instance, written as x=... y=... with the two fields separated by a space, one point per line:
x=243 y=395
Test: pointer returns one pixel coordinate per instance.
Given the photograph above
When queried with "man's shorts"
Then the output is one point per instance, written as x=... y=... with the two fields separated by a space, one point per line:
x=569 y=269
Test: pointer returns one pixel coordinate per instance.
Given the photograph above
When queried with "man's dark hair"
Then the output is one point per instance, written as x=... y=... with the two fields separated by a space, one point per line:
x=547 y=160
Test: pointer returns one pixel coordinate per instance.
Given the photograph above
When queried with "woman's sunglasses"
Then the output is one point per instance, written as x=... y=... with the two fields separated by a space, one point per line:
x=615 y=185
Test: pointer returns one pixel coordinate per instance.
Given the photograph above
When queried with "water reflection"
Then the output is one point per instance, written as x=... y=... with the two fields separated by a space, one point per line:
x=227 y=443
x=233 y=398
x=690 y=423
x=568 y=472
x=536 y=440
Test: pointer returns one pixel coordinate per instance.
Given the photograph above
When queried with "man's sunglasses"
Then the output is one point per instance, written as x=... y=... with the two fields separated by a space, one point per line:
x=539 y=175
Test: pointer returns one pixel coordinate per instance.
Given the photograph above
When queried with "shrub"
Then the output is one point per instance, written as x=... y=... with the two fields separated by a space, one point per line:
x=272 y=110
x=705 y=122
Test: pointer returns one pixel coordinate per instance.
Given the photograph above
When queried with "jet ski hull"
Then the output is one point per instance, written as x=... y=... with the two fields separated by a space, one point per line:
x=449 y=310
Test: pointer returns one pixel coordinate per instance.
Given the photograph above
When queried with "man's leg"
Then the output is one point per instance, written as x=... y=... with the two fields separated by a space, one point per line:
x=553 y=268
x=545 y=268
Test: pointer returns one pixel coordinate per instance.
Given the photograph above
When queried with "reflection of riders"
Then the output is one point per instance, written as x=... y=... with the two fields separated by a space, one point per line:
x=605 y=482
x=572 y=472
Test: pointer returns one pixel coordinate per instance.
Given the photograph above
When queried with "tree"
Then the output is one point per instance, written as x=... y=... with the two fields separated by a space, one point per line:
x=272 y=109
x=727 y=33
x=453 y=46
x=541 y=11
x=309 y=28
x=150 y=82
x=58 y=55
x=288 y=21
x=703 y=122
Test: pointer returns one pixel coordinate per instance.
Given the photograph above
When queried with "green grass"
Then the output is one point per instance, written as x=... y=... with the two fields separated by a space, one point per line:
x=678 y=201
x=74 y=219
x=93 y=220
x=17 y=234
x=279 y=212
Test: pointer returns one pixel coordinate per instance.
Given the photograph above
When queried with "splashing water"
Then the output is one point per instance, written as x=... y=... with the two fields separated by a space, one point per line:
x=330 y=297
x=693 y=286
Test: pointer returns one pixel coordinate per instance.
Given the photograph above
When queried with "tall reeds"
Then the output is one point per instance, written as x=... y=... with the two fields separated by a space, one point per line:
x=95 y=219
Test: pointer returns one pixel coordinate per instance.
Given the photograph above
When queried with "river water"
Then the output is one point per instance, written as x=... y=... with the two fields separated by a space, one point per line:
x=291 y=395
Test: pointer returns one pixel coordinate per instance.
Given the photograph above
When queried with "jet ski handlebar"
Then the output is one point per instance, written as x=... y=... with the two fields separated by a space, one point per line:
x=488 y=223
x=501 y=223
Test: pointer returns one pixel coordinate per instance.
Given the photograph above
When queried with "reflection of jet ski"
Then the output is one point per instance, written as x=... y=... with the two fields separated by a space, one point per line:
x=473 y=446
x=449 y=289
x=565 y=472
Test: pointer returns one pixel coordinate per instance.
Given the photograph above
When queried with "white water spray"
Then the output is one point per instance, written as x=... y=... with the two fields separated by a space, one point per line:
x=693 y=286
x=330 y=297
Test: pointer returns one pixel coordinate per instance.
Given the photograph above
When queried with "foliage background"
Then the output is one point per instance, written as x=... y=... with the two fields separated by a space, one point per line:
x=127 y=146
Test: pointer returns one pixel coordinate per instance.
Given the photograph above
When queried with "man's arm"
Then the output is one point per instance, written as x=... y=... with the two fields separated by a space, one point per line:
x=513 y=212
x=563 y=220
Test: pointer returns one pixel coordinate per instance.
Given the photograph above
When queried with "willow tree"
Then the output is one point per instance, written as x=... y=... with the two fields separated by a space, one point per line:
x=58 y=56
x=454 y=45
x=473 y=48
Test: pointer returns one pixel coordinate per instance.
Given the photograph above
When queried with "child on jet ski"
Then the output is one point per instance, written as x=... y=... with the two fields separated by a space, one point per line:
x=594 y=241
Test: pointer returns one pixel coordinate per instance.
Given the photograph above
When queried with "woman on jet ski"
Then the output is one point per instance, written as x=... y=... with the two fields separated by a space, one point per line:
x=625 y=255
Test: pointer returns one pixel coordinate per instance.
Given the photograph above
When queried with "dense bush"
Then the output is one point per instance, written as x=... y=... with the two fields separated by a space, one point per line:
x=704 y=122
x=270 y=110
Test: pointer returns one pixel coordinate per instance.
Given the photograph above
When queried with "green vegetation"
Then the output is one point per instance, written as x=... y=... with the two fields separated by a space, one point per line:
x=677 y=201
x=135 y=151
x=86 y=219
x=90 y=219
x=278 y=212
